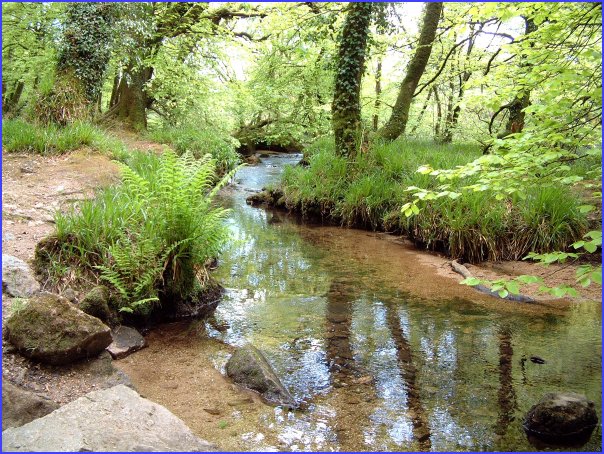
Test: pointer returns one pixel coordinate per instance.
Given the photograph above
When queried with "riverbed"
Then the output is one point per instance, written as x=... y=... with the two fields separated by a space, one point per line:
x=384 y=353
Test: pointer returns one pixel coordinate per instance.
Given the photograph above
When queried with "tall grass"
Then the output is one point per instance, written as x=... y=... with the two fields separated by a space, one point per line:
x=21 y=136
x=370 y=191
x=200 y=141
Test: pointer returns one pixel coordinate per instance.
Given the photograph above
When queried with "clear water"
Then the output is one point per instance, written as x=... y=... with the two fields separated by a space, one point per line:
x=378 y=365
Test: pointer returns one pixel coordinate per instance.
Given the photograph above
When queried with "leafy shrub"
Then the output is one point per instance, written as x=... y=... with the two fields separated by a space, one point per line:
x=151 y=236
x=21 y=136
x=199 y=142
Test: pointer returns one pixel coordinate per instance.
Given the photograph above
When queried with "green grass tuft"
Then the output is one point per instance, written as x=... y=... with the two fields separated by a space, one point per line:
x=370 y=191
x=24 y=137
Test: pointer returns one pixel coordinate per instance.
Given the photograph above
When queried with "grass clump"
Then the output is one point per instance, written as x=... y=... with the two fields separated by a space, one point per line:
x=200 y=141
x=50 y=139
x=150 y=237
x=369 y=192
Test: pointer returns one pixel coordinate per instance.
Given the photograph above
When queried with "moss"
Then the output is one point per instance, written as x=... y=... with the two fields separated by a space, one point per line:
x=96 y=303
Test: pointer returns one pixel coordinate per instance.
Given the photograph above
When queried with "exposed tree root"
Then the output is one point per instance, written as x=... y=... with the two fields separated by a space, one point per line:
x=459 y=268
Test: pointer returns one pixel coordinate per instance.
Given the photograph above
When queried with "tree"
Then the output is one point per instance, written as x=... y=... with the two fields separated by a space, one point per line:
x=155 y=26
x=82 y=61
x=400 y=113
x=346 y=108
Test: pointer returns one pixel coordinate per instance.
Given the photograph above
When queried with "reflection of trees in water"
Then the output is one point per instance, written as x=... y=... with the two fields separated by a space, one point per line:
x=506 y=396
x=409 y=372
x=338 y=350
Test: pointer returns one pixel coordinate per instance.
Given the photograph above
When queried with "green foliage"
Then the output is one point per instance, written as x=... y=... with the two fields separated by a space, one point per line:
x=369 y=192
x=20 y=136
x=151 y=236
x=200 y=141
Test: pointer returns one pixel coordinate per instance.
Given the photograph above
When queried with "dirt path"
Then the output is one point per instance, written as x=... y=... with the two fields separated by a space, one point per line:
x=35 y=187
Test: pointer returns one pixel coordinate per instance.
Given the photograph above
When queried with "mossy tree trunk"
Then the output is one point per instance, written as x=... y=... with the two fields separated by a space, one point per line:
x=400 y=113
x=82 y=61
x=515 y=109
x=129 y=102
x=346 y=108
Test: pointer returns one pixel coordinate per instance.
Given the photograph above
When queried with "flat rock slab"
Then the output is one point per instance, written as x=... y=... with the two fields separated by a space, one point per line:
x=249 y=368
x=17 y=278
x=114 y=419
x=126 y=340
x=52 y=330
x=20 y=406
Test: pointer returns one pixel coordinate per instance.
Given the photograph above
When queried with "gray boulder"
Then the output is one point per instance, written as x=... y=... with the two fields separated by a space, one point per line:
x=248 y=367
x=115 y=419
x=17 y=278
x=126 y=340
x=563 y=418
x=52 y=330
x=20 y=406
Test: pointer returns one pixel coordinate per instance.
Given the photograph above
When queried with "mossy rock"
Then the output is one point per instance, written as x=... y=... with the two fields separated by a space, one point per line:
x=96 y=304
x=52 y=330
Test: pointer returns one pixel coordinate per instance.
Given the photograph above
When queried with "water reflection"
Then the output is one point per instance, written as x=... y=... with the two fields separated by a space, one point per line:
x=408 y=370
x=506 y=396
x=382 y=369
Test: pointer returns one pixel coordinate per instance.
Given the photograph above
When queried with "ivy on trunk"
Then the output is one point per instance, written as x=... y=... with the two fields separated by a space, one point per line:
x=346 y=109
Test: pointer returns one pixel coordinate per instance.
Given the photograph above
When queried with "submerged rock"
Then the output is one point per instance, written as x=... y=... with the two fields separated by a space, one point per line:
x=565 y=419
x=114 y=419
x=248 y=367
x=20 y=406
x=52 y=330
x=17 y=278
x=126 y=340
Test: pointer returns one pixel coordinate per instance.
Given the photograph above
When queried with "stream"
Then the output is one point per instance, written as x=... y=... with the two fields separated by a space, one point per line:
x=386 y=354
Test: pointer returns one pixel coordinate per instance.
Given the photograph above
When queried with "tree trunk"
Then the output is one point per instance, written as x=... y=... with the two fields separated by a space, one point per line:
x=515 y=122
x=114 y=91
x=400 y=113
x=130 y=101
x=11 y=100
x=439 y=114
x=346 y=108
x=378 y=93
x=422 y=112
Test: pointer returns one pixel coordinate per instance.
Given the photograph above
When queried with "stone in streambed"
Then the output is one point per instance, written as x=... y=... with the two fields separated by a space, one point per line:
x=17 y=278
x=52 y=330
x=248 y=367
x=562 y=418
x=126 y=340
x=114 y=419
x=96 y=303
x=20 y=406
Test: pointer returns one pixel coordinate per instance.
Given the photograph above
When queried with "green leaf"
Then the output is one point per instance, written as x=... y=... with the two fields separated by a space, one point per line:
x=471 y=281
x=513 y=287
x=503 y=293
x=526 y=279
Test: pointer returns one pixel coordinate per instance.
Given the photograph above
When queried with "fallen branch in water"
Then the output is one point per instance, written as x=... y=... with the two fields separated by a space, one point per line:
x=460 y=269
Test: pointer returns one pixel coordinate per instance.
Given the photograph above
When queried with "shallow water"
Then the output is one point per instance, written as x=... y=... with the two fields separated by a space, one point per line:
x=386 y=354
